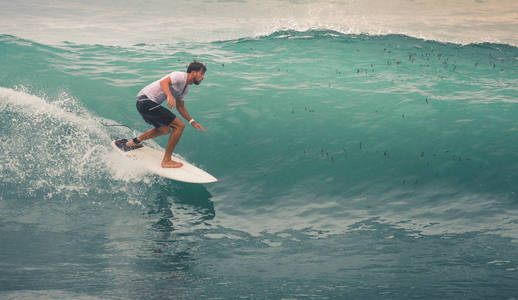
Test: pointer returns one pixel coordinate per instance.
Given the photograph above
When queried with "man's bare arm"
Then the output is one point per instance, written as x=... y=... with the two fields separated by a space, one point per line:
x=164 y=84
x=183 y=111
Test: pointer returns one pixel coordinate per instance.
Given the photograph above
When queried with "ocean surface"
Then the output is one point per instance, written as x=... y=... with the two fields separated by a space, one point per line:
x=356 y=160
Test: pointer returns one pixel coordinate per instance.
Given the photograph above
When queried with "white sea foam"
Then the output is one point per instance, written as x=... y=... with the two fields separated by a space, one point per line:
x=57 y=144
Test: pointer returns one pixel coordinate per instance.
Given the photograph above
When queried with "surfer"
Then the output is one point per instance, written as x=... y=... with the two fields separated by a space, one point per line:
x=171 y=88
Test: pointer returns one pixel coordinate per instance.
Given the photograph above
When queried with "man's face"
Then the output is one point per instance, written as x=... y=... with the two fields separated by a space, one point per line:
x=198 y=77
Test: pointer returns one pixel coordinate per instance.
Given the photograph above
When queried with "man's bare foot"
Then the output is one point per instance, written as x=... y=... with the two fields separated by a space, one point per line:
x=171 y=164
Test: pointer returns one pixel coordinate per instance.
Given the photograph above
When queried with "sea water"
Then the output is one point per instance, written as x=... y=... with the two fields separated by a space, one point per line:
x=350 y=164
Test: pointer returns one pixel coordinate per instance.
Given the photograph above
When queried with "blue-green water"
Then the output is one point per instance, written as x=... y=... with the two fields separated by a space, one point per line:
x=350 y=166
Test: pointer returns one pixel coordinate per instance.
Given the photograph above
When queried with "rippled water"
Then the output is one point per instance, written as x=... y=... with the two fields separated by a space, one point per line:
x=350 y=166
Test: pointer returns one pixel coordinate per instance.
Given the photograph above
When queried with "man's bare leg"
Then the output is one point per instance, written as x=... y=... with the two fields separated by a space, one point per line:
x=150 y=134
x=178 y=127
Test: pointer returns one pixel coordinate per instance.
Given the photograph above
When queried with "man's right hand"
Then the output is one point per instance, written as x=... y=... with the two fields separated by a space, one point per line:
x=164 y=84
x=170 y=102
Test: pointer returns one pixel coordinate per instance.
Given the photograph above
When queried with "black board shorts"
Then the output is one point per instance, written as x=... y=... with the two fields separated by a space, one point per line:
x=154 y=113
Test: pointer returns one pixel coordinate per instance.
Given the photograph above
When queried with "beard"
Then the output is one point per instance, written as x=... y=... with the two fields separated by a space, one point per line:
x=197 y=82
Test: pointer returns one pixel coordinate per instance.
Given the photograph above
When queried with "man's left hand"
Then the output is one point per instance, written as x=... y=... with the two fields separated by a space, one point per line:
x=198 y=126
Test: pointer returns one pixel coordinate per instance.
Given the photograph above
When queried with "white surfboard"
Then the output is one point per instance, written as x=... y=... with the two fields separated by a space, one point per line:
x=151 y=159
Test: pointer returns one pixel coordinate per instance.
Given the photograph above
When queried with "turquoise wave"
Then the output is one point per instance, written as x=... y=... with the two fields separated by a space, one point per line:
x=315 y=113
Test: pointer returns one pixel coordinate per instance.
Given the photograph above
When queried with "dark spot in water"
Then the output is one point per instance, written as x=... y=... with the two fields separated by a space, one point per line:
x=223 y=65
x=422 y=154
x=426 y=100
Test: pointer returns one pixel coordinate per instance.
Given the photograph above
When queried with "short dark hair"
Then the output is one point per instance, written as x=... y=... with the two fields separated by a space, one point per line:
x=196 y=66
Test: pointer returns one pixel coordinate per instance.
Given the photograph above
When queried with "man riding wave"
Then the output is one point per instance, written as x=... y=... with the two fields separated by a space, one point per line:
x=172 y=88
